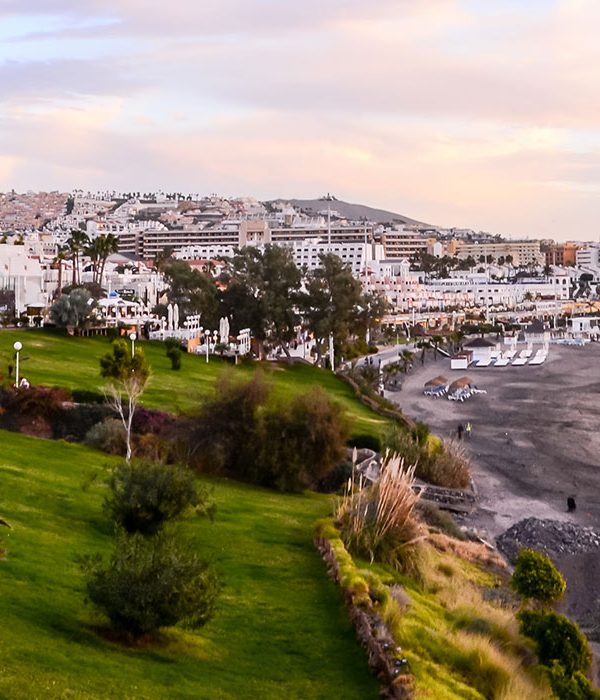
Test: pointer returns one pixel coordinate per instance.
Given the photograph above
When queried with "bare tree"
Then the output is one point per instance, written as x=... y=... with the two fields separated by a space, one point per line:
x=128 y=374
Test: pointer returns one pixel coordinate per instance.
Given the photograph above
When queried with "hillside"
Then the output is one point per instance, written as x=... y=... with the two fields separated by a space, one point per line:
x=280 y=630
x=55 y=359
x=356 y=212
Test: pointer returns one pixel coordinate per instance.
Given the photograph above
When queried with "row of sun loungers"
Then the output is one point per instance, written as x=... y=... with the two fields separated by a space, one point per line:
x=511 y=358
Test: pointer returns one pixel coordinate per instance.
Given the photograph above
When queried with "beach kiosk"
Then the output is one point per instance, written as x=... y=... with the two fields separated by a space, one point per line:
x=483 y=350
x=461 y=360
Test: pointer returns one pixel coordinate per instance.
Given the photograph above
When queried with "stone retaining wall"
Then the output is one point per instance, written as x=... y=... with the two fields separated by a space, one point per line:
x=374 y=637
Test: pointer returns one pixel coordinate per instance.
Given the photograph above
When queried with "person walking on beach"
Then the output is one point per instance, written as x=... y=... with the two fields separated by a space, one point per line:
x=459 y=431
x=468 y=428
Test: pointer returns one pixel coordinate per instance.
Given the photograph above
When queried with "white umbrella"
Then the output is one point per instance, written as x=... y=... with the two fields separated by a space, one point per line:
x=224 y=330
x=170 y=315
x=176 y=317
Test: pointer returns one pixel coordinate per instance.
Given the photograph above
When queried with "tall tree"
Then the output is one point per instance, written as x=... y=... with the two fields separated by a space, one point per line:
x=62 y=254
x=76 y=244
x=333 y=301
x=109 y=244
x=262 y=294
x=193 y=291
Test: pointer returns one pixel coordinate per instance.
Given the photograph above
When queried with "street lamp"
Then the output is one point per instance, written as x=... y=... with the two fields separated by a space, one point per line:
x=132 y=337
x=18 y=346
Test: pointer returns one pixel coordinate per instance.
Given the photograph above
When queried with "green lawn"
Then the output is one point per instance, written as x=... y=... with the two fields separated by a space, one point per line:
x=281 y=630
x=55 y=359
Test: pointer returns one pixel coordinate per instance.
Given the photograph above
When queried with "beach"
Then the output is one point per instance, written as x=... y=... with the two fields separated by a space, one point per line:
x=535 y=437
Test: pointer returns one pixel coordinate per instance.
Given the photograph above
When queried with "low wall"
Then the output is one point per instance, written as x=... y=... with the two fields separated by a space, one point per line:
x=374 y=406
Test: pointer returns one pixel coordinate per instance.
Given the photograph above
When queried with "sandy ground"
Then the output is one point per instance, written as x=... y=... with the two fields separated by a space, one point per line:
x=536 y=434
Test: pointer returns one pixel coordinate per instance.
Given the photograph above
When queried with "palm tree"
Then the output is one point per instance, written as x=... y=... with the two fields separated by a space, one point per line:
x=437 y=341
x=62 y=254
x=93 y=250
x=406 y=357
x=109 y=246
x=76 y=244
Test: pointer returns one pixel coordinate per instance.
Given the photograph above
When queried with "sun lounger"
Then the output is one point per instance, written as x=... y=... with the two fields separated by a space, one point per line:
x=502 y=362
x=486 y=362
x=519 y=361
x=510 y=353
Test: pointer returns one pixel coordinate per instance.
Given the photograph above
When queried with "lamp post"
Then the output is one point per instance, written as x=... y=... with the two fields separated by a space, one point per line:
x=18 y=346
x=132 y=337
x=206 y=343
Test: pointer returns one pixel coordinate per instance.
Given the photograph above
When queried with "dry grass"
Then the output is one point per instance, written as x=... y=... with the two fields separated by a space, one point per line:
x=472 y=552
x=379 y=521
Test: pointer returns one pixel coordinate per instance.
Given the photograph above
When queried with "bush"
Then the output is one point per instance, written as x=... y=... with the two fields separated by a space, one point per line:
x=288 y=446
x=108 y=436
x=301 y=442
x=557 y=639
x=174 y=354
x=145 y=495
x=536 y=577
x=43 y=401
x=87 y=396
x=148 y=420
x=444 y=465
x=365 y=441
x=224 y=437
x=151 y=583
x=440 y=519
x=575 y=687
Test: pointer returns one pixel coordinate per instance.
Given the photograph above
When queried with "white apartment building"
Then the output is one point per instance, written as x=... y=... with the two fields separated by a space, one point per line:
x=23 y=276
x=406 y=290
x=357 y=256
x=588 y=256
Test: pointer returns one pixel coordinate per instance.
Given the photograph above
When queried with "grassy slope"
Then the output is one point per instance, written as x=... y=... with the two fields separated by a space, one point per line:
x=58 y=360
x=281 y=630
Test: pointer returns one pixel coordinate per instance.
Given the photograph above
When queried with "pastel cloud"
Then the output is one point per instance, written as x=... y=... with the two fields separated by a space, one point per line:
x=450 y=111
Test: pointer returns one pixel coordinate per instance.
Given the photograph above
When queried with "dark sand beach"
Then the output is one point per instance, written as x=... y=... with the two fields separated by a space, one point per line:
x=535 y=441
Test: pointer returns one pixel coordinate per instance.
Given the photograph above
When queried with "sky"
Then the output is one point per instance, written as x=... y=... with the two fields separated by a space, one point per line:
x=471 y=113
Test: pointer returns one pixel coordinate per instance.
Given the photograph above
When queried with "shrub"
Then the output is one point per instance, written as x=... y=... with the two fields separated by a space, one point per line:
x=144 y=495
x=557 y=639
x=536 y=577
x=148 y=420
x=575 y=687
x=223 y=437
x=108 y=436
x=440 y=519
x=174 y=354
x=441 y=464
x=288 y=446
x=43 y=401
x=301 y=442
x=151 y=583
x=87 y=396
x=365 y=441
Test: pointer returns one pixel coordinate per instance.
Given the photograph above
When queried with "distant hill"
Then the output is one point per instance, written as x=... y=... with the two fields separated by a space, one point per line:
x=349 y=210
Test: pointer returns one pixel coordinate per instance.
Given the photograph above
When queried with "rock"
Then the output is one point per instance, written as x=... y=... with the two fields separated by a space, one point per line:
x=551 y=537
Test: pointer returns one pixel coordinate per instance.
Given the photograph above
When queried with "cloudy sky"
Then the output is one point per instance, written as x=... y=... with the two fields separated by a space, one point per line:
x=478 y=113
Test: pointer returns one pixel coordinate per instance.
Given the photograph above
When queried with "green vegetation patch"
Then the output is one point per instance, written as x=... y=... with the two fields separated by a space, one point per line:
x=280 y=629
x=54 y=359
